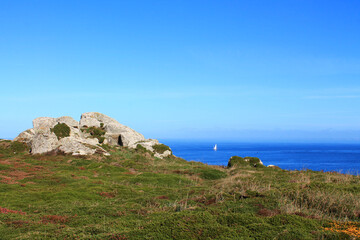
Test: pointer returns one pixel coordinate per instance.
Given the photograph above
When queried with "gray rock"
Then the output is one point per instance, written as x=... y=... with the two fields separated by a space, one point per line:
x=116 y=133
x=43 y=140
x=90 y=141
x=43 y=143
x=148 y=145
x=43 y=124
x=68 y=121
x=25 y=136
x=163 y=155
x=89 y=122
x=72 y=146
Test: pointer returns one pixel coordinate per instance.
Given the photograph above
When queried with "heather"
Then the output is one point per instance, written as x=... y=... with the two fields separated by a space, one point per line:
x=133 y=195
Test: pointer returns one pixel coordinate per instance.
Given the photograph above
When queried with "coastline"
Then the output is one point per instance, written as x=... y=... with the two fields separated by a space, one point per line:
x=339 y=157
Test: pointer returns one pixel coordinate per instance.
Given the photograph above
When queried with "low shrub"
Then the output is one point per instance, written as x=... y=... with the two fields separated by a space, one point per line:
x=235 y=161
x=61 y=130
x=140 y=148
x=161 y=148
x=247 y=161
x=96 y=132
x=254 y=161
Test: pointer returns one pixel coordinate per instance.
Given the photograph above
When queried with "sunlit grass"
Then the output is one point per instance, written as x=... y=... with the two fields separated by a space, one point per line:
x=132 y=195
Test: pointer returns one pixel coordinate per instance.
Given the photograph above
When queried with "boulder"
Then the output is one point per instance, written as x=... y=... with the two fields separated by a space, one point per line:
x=247 y=161
x=68 y=121
x=44 y=139
x=116 y=133
x=43 y=124
x=26 y=136
x=163 y=155
x=273 y=166
x=149 y=144
x=72 y=146
x=64 y=134
x=44 y=142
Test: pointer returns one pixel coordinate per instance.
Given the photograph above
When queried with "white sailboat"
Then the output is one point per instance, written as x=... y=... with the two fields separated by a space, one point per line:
x=215 y=147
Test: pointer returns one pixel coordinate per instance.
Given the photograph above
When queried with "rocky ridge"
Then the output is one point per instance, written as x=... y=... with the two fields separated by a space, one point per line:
x=66 y=135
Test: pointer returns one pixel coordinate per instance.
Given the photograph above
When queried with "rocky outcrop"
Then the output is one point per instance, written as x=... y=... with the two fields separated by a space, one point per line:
x=246 y=161
x=116 y=133
x=152 y=145
x=25 y=136
x=65 y=134
x=59 y=135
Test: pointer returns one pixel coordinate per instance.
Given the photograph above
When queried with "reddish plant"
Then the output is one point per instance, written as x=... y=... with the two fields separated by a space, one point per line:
x=6 y=211
x=268 y=213
x=162 y=197
x=17 y=223
x=55 y=219
x=117 y=237
x=98 y=182
x=107 y=194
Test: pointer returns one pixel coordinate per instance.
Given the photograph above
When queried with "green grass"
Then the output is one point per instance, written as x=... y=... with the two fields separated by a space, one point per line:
x=18 y=147
x=132 y=195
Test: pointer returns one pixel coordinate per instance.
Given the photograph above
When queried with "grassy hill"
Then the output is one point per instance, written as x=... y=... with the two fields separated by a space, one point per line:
x=132 y=195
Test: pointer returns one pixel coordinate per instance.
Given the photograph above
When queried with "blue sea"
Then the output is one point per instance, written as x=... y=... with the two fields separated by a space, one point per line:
x=344 y=158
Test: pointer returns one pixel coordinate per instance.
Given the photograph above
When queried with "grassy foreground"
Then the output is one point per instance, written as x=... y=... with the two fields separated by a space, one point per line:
x=132 y=195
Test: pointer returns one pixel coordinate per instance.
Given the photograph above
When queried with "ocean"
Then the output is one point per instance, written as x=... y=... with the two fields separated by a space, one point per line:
x=343 y=158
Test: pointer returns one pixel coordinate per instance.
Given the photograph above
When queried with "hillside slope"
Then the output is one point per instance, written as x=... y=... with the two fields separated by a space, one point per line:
x=133 y=195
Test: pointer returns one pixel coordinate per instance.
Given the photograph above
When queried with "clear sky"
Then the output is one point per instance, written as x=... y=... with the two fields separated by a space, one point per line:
x=230 y=70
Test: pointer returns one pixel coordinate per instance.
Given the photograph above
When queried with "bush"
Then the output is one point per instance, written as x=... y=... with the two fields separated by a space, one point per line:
x=247 y=161
x=101 y=139
x=61 y=130
x=96 y=132
x=161 y=148
x=254 y=161
x=236 y=161
x=140 y=148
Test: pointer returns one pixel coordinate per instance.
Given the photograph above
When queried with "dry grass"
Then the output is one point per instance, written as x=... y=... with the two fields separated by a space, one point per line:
x=335 y=177
x=329 y=204
x=242 y=182
x=300 y=177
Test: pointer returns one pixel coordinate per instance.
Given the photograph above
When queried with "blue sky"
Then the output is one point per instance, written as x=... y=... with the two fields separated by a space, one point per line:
x=229 y=70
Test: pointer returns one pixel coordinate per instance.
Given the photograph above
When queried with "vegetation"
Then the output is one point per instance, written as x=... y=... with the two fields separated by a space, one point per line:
x=61 y=130
x=132 y=195
x=18 y=147
x=254 y=161
x=141 y=149
x=96 y=132
x=236 y=161
x=161 y=148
